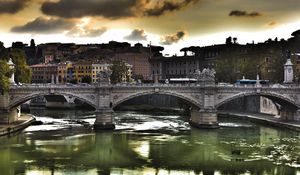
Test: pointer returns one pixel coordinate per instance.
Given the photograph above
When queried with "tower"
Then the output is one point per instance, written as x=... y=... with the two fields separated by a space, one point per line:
x=288 y=70
x=11 y=67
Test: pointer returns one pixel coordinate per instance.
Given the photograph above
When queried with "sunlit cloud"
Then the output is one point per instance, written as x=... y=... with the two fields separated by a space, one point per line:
x=137 y=35
x=174 y=38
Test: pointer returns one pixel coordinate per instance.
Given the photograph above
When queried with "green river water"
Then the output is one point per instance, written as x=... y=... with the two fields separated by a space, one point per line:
x=147 y=144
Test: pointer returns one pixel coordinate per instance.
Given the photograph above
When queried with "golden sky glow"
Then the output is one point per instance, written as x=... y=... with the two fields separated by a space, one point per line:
x=171 y=23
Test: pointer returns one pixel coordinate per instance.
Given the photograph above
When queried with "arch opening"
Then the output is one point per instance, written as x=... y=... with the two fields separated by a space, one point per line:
x=54 y=101
x=257 y=103
x=159 y=101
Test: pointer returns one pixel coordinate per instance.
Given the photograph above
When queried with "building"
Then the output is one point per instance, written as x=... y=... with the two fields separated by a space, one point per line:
x=263 y=59
x=65 y=73
x=163 y=67
x=82 y=69
x=44 y=73
x=49 y=52
x=96 y=68
x=137 y=56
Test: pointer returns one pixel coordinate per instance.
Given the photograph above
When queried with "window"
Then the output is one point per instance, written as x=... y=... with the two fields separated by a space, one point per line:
x=267 y=59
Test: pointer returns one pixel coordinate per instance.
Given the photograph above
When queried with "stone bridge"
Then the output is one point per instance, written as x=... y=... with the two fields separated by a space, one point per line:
x=204 y=99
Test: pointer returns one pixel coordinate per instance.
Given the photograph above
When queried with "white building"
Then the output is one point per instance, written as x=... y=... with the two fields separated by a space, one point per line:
x=96 y=68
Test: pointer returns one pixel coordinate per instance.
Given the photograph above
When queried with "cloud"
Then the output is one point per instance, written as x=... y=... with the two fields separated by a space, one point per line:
x=45 y=26
x=137 y=35
x=112 y=9
x=162 y=7
x=79 y=8
x=12 y=6
x=239 y=13
x=272 y=23
x=171 y=39
x=86 y=32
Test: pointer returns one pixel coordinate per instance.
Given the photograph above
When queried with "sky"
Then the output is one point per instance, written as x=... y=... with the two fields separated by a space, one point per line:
x=173 y=24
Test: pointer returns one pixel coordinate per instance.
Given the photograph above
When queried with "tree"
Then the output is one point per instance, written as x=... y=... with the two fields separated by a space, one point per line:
x=18 y=45
x=4 y=77
x=4 y=54
x=120 y=72
x=229 y=40
x=73 y=81
x=233 y=64
x=5 y=72
x=86 y=79
x=235 y=40
x=22 y=70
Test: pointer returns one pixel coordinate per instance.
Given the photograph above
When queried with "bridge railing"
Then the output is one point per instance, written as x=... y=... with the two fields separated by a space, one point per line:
x=84 y=86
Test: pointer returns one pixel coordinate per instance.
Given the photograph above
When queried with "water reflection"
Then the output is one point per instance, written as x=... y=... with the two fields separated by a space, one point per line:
x=171 y=147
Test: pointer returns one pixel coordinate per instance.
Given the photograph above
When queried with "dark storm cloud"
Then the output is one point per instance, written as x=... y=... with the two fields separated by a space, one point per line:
x=43 y=25
x=80 y=8
x=112 y=9
x=240 y=13
x=137 y=35
x=171 y=39
x=12 y=6
x=162 y=7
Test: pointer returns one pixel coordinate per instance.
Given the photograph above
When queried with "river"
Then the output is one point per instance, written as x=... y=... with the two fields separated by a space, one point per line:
x=156 y=143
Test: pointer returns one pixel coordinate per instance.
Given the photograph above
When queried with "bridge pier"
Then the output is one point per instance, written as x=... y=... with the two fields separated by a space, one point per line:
x=289 y=114
x=9 y=116
x=205 y=119
x=104 y=119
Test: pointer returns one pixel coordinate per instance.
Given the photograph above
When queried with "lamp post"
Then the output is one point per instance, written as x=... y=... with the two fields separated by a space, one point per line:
x=258 y=66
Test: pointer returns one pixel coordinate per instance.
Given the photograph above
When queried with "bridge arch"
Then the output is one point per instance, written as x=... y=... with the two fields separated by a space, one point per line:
x=23 y=99
x=278 y=98
x=174 y=94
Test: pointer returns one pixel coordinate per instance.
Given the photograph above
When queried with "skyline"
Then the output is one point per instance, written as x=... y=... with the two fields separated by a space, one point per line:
x=173 y=24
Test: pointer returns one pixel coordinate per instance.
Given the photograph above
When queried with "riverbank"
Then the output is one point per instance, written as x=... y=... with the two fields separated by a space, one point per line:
x=266 y=119
x=24 y=121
